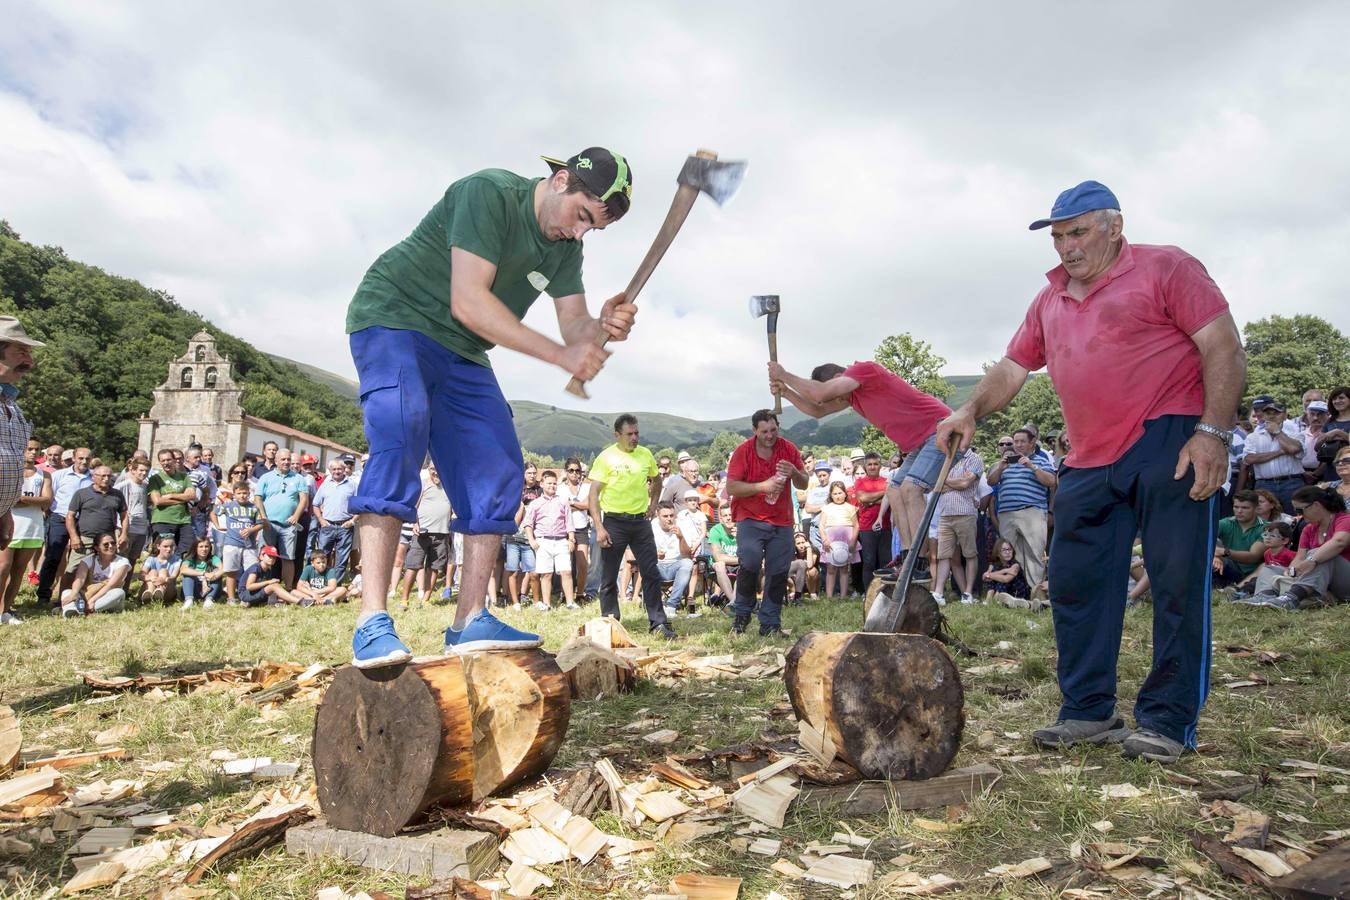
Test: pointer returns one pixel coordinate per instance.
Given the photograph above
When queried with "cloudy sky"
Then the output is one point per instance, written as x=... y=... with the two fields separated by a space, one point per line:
x=252 y=159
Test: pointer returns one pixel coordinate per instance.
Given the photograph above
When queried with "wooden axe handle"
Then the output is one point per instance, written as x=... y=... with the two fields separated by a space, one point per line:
x=773 y=357
x=679 y=211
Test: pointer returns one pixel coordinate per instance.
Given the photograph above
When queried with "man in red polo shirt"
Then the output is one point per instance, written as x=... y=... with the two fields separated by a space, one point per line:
x=1149 y=369
x=899 y=410
x=757 y=482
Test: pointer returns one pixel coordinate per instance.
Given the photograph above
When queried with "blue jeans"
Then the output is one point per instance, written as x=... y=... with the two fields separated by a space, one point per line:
x=336 y=536
x=1097 y=513
x=771 y=546
x=676 y=571
x=195 y=588
x=518 y=558
x=1283 y=488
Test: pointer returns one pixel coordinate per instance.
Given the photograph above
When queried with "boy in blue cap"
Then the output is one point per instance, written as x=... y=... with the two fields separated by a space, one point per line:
x=421 y=323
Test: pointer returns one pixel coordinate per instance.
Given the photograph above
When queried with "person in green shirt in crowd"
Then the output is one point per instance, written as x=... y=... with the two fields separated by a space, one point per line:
x=421 y=324
x=171 y=497
x=722 y=542
x=1240 y=548
x=624 y=481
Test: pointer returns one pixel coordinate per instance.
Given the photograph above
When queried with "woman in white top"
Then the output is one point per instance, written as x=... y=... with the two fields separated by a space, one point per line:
x=35 y=495
x=100 y=581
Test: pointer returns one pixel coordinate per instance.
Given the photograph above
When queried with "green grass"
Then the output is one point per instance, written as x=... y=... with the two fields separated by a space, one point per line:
x=1045 y=803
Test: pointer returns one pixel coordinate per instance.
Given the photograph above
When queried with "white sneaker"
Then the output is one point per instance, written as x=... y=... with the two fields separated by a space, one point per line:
x=542 y=606
x=967 y=599
x=10 y=619
x=208 y=603
x=187 y=604
x=938 y=598
x=693 y=614
x=571 y=604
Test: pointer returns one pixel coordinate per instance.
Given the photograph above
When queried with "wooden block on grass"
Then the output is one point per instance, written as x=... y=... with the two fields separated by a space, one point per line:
x=438 y=854
x=1327 y=876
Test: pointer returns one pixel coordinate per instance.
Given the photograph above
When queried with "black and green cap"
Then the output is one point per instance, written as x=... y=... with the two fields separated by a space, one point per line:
x=605 y=173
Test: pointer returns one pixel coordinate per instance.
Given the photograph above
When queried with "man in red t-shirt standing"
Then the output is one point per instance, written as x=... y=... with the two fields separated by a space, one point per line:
x=1149 y=369
x=899 y=410
x=757 y=481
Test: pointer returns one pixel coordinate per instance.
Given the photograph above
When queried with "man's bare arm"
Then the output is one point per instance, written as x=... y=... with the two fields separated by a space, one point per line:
x=1223 y=365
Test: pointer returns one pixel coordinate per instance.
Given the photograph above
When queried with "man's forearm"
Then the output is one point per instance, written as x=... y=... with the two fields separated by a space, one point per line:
x=996 y=389
x=806 y=405
x=742 y=488
x=479 y=310
x=1264 y=457
x=1224 y=371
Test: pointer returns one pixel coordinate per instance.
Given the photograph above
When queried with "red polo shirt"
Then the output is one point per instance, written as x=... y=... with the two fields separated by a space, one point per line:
x=1123 y=354
x=897 y=408
x=746 y=465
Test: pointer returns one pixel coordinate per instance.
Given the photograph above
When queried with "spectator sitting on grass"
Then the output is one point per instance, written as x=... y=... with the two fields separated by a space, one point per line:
x=1278 y=556
x=673 y=555
x=202 y=574
x=259 y=586
x=1321 y=568
x=100 y=581
x=1239 y=547
x=1268 y=508
x=1004 y=578
x=318 y=584
x=159 y=572
x=804 y=570
x=726 y=561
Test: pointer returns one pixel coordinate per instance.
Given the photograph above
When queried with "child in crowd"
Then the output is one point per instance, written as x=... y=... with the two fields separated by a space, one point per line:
x=1279 y=555
x=239 y=521
x=839 y=525
x=318 y=584
x=202 y=574
x=100 y=581
x=259 y=587
x=159 y=572
x=1008 y=583
x=804 y=570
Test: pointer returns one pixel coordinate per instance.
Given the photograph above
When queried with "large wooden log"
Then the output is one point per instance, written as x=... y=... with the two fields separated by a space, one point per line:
x=391 y=743
x=922 y=614
x=892 y=704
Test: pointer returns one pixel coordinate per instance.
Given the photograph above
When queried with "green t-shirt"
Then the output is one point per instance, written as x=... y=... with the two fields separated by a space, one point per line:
x=726 y=542
x=176 y=514
x=625 y=478
x=1235 y=538
x=490 y=214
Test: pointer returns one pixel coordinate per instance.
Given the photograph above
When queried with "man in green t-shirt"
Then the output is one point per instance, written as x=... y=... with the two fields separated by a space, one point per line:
x=1240 y=549
x=726 y=558
x=171 y=495
x=421 y=323
x=624 y=482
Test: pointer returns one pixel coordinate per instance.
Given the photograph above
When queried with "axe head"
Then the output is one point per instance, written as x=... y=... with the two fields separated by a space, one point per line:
x=763 y=305
x=718 y=178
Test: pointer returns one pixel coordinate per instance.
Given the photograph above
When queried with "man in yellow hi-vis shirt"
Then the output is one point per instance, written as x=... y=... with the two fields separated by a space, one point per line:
x=625 y=483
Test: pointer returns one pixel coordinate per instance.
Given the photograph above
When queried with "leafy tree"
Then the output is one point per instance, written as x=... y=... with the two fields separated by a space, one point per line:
x=719 y=451
x=1287 y=355
x=1036 y=404
x=914 y=361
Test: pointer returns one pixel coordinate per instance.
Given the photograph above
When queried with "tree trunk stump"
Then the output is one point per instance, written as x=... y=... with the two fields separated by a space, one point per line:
x=892 y=704
x=391 y=743
x=922 y=615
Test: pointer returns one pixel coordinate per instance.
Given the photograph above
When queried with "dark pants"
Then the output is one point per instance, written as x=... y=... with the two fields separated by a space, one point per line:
x=1097 y=512
x=770 y=546
x=1283 y=488
x=184 y=534
x=876 y=552
x=56 y=541
x=336 y=537
x=631 y=531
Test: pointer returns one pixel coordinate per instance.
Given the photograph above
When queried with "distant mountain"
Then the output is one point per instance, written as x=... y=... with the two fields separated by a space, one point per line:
x=343 y=387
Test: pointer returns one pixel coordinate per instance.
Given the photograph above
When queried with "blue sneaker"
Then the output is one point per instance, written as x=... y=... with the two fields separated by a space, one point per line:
x=486 y=632
x=376 y=644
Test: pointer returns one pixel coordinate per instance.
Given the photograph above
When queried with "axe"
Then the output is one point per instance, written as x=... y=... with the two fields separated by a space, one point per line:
x=702 y=173
x=768 y=305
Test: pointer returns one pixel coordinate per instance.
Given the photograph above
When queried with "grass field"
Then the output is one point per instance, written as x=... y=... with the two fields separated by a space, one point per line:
x=1045 y=803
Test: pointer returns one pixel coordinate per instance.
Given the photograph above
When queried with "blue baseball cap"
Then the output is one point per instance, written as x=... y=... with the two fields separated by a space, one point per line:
x=1079 y=199
x=821 y=466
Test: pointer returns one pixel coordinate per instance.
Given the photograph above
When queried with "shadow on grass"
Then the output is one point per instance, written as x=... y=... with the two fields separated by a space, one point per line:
x=131 y=667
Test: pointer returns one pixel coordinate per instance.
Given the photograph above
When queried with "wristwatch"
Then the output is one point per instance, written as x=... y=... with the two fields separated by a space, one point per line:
x=1223 y=437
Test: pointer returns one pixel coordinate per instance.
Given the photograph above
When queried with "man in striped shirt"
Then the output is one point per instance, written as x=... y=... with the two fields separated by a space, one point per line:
x=1024 y=480
x=16 y=361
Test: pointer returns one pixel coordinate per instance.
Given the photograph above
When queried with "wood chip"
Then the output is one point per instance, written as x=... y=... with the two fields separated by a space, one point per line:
x=817 y=743
x=117 y=734
x=1264 y=860
x=1024 y=869
x=524 y=880
x=583 y=839
x=697 y=886
x=661 y=805
x=934 y=824
x=663 y=738
x=678 y=775
x=508 y=819
x=1250 y=829
x=787 y=868
x=96 y=840
x=11 y=740
x=1120 y=791
x=766 y=801
x=1104 y=825
x=842 y=871
x=245 y=766
x=914 y=884
x=1317 y=768
x=97 y=876
x=534 y=847
x=16 y=789
x=764 y=846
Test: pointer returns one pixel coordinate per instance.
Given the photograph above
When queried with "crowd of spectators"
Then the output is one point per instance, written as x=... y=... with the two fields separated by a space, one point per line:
x=92 y=537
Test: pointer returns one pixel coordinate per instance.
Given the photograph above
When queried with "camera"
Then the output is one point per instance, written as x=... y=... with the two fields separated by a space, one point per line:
x=1011 y=459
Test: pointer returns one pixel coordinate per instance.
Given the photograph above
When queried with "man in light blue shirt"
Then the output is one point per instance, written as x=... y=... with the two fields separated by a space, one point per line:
x=285 y=497
x=335 y=520
x=65 y=482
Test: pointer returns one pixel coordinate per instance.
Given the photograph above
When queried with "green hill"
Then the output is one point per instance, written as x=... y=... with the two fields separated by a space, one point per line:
x=343 y=387
x=109 y=344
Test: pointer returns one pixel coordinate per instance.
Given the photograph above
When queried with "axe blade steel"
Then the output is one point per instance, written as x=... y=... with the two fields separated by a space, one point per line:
x=718 y=178
x=763 y=304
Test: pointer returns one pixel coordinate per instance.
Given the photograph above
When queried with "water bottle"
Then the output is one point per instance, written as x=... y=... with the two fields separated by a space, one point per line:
x=777 y=490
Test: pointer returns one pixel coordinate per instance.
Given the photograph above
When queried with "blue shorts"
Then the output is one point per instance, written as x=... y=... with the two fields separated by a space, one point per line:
x=922 y=466
x=416 y=396
x=519 y=557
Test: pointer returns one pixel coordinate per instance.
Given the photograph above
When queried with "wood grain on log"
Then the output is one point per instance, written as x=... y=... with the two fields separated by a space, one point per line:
x=392 y=742
x=922 y=615
x=892 y=704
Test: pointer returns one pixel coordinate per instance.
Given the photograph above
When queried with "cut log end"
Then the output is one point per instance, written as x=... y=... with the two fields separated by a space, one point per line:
x=892 y=704
x=390 y=743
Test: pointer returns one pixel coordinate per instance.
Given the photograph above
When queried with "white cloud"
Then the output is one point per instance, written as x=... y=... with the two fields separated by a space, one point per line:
x=254 y=160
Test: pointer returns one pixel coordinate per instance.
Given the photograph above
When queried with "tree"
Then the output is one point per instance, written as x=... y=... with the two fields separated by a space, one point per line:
x=719 y=451
x=914 y=361
x=1287 y=355
x=1036 y=404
